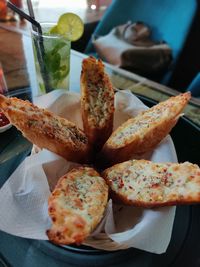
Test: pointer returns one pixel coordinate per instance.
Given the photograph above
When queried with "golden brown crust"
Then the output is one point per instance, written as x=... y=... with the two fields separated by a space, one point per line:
x=46 y=130
x=141 y=134
x=97 y=102
x=147 y=184
x=77 y=205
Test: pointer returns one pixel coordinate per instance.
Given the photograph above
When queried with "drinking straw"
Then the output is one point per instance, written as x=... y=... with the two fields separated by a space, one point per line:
x=30 y=9
x=39 y=48
x=24 y=15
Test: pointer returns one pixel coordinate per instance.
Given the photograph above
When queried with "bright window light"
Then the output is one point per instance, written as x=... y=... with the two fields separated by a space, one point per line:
x=93 y=7
x=80 y=4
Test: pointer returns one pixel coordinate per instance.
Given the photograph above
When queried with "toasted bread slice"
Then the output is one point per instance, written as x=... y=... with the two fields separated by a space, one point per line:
x=46 y=130
x=77 y=205
x=97 y=102
x=148 y=184
x=142 y=133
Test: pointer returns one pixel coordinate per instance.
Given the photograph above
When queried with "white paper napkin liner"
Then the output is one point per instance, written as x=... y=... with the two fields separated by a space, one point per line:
x=20 y=204
x=63 y=103
x=15 y=192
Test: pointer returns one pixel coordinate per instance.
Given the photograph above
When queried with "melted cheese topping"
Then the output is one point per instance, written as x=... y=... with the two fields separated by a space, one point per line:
x=99 y=93
x=99 y=106
x=155 y=117
x=155 y=182
x=82 y=195
x=77 y=205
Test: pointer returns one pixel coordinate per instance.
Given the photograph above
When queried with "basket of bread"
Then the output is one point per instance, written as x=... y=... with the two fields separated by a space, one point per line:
x=113 y=167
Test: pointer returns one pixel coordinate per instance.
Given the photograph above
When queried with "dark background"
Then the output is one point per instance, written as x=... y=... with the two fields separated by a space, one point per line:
x=189 y=61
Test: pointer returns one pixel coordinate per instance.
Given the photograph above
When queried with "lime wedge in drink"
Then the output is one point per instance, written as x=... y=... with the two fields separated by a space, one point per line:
x=54 y=30
x=69 y=25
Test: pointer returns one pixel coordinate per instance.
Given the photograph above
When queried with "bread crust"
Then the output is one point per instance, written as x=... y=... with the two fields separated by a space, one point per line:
x=77 y=205
x=46 y=130
x=147 y=184
x=141 y=134
x=97 y=102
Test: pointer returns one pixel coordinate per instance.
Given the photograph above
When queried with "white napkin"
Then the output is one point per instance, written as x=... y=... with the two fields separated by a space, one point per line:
x=24 y=196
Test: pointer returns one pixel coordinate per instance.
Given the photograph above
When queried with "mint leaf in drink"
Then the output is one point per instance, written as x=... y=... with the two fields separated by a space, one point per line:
x=52 y=61
x=42 y=88
x=57 y=75
x=55 y=62
x=58 y=46
x=64 y=72
x=63 y=67
x=60 y=74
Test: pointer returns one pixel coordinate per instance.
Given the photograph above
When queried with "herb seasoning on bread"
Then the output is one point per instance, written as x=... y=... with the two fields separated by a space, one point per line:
x=46 y=130
x=97 y=102
x=77 y=205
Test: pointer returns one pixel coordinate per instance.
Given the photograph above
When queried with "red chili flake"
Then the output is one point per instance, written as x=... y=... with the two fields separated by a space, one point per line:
x=78 y=203
x=54 y=219
x=58 y=234
x=3 y=120
x=51 y=209
x=130 y=187
x=155 y=185
x=165 y=180
x=120 y=183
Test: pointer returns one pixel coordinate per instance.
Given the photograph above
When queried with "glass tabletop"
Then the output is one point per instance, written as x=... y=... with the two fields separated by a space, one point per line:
x=18 y=66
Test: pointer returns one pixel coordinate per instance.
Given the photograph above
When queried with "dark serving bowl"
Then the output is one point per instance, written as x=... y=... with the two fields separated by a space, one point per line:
x=184 y=246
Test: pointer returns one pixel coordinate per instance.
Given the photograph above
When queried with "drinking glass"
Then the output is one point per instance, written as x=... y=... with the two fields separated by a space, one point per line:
x=3 y=9
x=3 y=85
x=52 y=59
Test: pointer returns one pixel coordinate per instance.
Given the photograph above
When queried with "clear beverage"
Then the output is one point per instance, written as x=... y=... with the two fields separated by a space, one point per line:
x=52 y=60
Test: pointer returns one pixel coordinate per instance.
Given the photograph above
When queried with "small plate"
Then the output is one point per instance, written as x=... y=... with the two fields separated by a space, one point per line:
x=5 y=128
